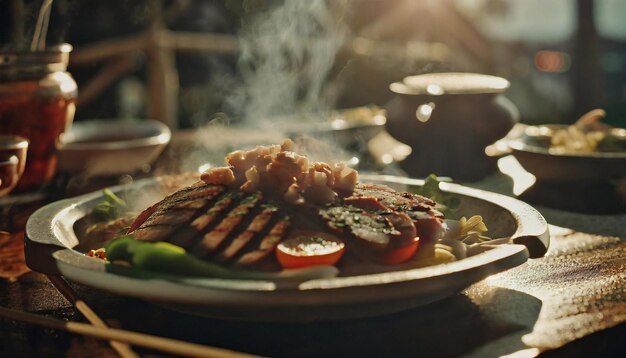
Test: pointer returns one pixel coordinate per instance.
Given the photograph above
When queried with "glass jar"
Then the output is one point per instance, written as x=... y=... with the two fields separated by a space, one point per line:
x=37 y=101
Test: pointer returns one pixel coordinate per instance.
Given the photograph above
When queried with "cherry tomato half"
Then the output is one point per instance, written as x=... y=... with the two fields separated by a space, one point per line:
x=305 y=249
x=399 y=255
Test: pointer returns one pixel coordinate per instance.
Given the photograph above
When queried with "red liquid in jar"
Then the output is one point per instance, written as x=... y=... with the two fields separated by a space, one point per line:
x=41 y=120
x=37 y=102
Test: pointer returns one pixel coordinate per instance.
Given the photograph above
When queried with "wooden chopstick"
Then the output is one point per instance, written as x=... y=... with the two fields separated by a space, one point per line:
x=139 y=339
x=68 y=292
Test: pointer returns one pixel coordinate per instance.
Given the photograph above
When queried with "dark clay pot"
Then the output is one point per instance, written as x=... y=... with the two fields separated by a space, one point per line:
x=448 y=119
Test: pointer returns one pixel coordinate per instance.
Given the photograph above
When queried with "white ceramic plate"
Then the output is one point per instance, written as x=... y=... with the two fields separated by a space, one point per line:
x=52 y=246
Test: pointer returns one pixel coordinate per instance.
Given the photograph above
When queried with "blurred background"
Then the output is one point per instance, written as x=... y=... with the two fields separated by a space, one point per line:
x=563 y=57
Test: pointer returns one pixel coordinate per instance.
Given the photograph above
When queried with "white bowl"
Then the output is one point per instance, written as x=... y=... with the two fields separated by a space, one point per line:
x=107 y=147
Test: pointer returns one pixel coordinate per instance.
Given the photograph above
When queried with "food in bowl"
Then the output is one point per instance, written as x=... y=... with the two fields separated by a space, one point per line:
x=588 y=151
x=271 y=212
x=588 y=135
x=94 y=147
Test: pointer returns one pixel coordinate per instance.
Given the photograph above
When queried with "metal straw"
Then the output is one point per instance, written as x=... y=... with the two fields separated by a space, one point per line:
x=41 y=28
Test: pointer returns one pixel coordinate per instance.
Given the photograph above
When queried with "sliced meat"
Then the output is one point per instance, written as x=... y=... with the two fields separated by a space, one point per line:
x=421 y=210
x=404 y=225
x=174 y=216
x=160 y=226
x=257 y=225
x=364 y=202
x=142 y=217
x=189 y=235
x=368 y=226
x=267 y=245
x=154 y=233
x=232 y=227
x=214 y=238
x=203 y=221
x=190 y=198
x=215 y=224
x=398 y=201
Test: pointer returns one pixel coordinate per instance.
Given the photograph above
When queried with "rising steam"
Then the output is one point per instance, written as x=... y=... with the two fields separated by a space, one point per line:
x=286 y=54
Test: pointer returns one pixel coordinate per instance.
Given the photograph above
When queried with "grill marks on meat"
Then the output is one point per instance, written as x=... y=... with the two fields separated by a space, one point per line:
x=368 y=226
x=383 y=217
x=400 y=205
x=254 y=228
x=235 y=228
x=204 y=220
x=414 y=205
x=173 y=211
x=213 y=222
x=214 y=238
x=268 y=243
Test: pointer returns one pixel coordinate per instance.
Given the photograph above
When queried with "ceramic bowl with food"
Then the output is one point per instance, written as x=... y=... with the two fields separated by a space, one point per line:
x=604 y=160
x=352 y=128
x=107 y=147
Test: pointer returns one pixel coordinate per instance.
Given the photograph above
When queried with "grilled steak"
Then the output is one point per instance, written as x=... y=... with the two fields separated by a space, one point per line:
x=215 y=223
x=416 y=206
x=235 y=228
x=421 y=210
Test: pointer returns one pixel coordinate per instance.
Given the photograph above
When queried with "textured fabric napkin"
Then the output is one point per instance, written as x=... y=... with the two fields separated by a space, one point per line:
x=578 y=288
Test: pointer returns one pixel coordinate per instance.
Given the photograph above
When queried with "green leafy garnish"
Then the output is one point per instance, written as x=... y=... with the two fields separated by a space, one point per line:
x=110 y=208
x=448 y=204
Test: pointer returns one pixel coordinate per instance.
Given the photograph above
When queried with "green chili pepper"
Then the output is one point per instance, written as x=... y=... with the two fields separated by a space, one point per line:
x=150 y=260
x=161 y=257
x=168 y=258
x=121 y=249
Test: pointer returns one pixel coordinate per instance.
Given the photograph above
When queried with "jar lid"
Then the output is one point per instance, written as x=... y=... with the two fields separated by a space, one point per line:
x=16 y=63
x=450 y=83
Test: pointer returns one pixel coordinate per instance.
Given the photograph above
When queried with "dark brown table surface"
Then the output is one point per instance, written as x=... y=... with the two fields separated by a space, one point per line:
x=572 y=302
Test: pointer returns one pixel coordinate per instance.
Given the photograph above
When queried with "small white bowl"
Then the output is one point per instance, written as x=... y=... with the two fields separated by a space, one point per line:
x=107 y=147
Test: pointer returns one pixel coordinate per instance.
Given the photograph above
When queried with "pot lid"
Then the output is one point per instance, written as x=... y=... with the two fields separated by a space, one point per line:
x=450 y=83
